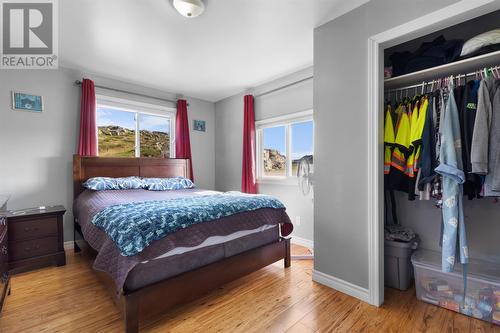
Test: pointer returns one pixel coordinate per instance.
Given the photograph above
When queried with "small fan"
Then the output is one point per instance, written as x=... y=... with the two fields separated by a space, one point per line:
x=305 y=174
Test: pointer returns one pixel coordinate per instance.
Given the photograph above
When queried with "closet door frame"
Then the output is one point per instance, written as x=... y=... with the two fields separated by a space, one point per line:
x=448 y=16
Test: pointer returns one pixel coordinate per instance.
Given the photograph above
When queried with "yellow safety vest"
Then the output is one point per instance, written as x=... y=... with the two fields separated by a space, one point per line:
x=401 y=143
x=389 y=139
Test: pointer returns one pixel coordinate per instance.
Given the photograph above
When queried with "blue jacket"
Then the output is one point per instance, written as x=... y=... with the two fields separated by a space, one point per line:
x=451 y=169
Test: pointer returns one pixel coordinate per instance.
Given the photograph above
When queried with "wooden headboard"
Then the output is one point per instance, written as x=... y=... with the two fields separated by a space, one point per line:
x=85 y=167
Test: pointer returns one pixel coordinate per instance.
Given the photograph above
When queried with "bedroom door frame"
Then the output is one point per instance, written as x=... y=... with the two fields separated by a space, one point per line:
x=453 y=14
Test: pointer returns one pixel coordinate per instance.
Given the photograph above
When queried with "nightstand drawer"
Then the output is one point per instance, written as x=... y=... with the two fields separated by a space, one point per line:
x=32 y=248
x=33 y=228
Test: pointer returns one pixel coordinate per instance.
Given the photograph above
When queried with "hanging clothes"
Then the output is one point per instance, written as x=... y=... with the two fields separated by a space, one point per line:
x=397 y=179
x=416 y=142
x=449 y=144
x=473 y=184
x=410 y=162
x=480 y=138
x=437 y=186
x=451 y=169
x=389 y=140
x=427 y=162
x=485 y=150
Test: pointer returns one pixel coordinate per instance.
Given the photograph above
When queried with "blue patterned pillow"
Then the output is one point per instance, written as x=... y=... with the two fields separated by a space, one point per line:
x=130 y=183
x=101 y=183
x=167 y=184
x=108 y=183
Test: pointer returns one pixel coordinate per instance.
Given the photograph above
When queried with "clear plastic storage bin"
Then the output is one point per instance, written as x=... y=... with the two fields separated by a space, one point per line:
x=446 y=289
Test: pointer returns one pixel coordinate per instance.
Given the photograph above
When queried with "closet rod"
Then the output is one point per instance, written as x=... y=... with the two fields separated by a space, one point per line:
x=78 y=82
x=285 y=86
x=423 y=84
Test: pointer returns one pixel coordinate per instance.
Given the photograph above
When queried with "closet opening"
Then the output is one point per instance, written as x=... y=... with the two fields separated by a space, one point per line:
x=439 y=208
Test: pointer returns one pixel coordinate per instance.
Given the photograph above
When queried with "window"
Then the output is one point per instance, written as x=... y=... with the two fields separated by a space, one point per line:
x=132 y=129
x=302 y=144
x=274 y=151
x=282 y=143
x=154 y=134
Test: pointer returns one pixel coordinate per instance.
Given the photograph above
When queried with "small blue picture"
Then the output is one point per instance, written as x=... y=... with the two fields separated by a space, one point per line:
x=26 y=102
x=199 y=125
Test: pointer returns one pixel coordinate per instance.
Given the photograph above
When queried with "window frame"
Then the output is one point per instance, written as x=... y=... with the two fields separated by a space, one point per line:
x=138 y=108
x=287 y=121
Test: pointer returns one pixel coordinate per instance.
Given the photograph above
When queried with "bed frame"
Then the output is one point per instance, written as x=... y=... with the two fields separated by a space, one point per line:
x=157 y=298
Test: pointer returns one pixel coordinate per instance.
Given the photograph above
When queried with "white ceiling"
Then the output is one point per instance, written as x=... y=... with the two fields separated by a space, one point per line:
x=235 y=45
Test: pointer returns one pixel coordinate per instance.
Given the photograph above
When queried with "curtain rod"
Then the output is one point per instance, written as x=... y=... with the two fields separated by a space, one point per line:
x=458 y=76
x=78 y=82
x=285 y=86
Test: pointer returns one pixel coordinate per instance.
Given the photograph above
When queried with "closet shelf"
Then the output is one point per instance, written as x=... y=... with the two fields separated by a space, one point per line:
x=454 y=68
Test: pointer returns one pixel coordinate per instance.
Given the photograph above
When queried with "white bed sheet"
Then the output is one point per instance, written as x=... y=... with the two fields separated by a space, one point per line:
x=214 y=240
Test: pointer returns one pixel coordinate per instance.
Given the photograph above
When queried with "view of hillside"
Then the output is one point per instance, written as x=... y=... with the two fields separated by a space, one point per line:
x=118 y=141
x=275 y=163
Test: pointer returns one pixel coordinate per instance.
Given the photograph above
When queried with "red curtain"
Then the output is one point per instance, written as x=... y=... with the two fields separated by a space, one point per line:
x=248 y=176
x=87 y=145
x=182 y=143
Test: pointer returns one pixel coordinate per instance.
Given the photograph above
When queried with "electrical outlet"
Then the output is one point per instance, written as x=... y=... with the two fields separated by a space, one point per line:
x=297 y=220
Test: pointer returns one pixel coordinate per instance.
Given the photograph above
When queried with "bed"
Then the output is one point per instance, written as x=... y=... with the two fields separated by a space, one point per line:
x=182 y=265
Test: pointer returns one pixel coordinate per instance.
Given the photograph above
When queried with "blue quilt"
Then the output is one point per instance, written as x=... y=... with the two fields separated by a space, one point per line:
x=134 y=226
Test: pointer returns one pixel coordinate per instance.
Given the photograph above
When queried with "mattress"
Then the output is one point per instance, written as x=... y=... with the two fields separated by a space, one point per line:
x=190 y=239
x=153 y=271
x=212 y=240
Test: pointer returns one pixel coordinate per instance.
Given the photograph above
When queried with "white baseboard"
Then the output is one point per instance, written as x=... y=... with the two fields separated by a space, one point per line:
x=303 y=242
x=341 y=285
x=68 y=245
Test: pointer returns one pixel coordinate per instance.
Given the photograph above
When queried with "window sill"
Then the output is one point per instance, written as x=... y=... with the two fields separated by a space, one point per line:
x=288 y=181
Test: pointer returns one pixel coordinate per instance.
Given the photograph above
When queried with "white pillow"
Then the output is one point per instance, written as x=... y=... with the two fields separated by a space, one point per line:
x=479 y=41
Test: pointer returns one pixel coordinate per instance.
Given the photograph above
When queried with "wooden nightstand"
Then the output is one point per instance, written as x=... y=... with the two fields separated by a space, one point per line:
x=35 y=238
x=4 y=265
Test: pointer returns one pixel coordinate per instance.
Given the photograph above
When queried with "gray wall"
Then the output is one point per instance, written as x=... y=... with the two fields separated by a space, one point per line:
x=36 y=149
x=481 y=221
x=229 y=139
x=340 y=103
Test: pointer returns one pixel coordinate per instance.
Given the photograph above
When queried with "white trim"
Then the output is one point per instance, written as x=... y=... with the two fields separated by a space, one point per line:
x=302 y=242
x=278 y=180
x=462 y=10
x=341 y=285
x=69 y=245
x=447 y=16
x=464 y=66
x=125 y=104
x=285 y=119
x=302 y=256
x=137 y=135
x=375 y=243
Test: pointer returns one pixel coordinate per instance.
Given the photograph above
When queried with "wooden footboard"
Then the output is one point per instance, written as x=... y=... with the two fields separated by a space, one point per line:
x=158 y=298
x=162 y=296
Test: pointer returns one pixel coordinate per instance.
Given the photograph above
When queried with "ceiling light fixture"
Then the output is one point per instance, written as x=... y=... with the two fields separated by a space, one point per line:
x=189 y=8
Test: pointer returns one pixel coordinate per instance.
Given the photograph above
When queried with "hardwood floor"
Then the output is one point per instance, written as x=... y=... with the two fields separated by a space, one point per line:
x=71 y=299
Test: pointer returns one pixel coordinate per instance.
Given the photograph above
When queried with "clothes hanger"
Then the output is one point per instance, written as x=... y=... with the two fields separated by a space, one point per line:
x=495 y=70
